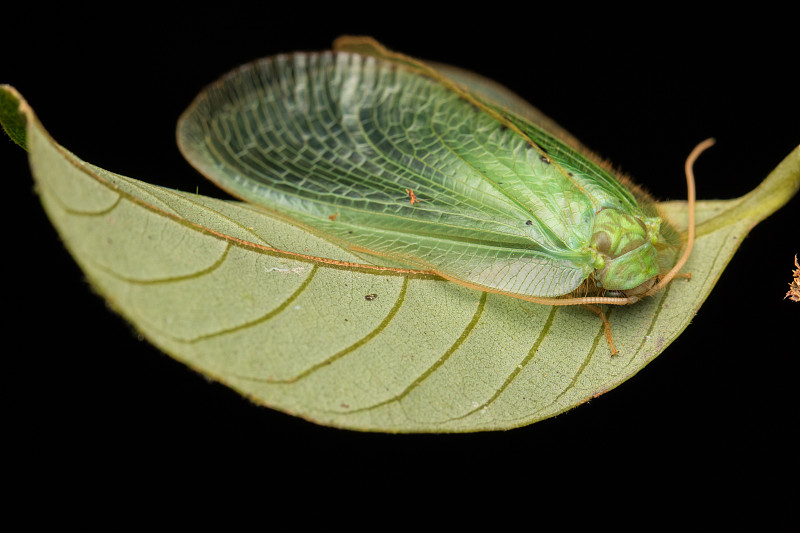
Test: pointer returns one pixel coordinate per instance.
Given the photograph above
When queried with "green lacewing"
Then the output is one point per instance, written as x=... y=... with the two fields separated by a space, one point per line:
x=391 y=157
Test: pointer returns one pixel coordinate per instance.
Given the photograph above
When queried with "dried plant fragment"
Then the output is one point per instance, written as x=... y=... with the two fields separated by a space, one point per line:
x=794 y=286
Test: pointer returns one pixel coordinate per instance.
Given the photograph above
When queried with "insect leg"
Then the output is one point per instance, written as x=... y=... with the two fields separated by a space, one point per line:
x=599 y=312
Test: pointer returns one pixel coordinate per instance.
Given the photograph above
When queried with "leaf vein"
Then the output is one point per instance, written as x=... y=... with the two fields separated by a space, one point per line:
x=431 y=369
x=517 y=369
x=262 y=319
x=345 y=351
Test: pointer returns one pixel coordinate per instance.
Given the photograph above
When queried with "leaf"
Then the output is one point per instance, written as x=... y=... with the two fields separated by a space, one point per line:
x=12 y=118
x=206 y=281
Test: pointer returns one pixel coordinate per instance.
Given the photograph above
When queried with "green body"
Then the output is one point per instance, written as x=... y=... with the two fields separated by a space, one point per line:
x=335 y=141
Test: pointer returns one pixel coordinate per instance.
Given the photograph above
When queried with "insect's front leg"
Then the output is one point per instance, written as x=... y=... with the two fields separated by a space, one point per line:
x=599 y=312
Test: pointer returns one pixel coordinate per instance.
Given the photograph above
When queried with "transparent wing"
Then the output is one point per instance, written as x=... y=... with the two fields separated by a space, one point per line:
x=389 y=161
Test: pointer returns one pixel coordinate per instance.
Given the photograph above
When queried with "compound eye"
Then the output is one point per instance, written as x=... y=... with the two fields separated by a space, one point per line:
x=602 y=242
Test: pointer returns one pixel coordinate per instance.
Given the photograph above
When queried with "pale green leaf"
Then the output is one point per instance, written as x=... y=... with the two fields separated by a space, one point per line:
x=277 y=314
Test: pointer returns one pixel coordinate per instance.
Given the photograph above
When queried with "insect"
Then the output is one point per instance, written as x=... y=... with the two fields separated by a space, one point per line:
x=411 y=196
x=327 y=138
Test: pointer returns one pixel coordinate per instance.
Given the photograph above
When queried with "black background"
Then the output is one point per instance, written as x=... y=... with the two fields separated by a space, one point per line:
x=641 y=90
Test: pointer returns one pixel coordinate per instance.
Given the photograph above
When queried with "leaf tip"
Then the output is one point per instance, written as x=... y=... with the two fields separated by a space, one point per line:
x=14 y=113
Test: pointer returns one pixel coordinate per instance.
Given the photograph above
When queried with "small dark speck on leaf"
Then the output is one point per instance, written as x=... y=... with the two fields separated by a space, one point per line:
x=370 y=297
x=529 y=222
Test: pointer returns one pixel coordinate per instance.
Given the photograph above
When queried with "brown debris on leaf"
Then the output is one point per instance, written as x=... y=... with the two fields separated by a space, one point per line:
x=794 y=286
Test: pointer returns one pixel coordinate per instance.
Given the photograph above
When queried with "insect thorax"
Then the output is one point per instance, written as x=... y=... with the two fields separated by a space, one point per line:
x=625 y=247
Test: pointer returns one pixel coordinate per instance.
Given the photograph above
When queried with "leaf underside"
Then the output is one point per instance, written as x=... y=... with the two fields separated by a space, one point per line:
x=237 y=294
